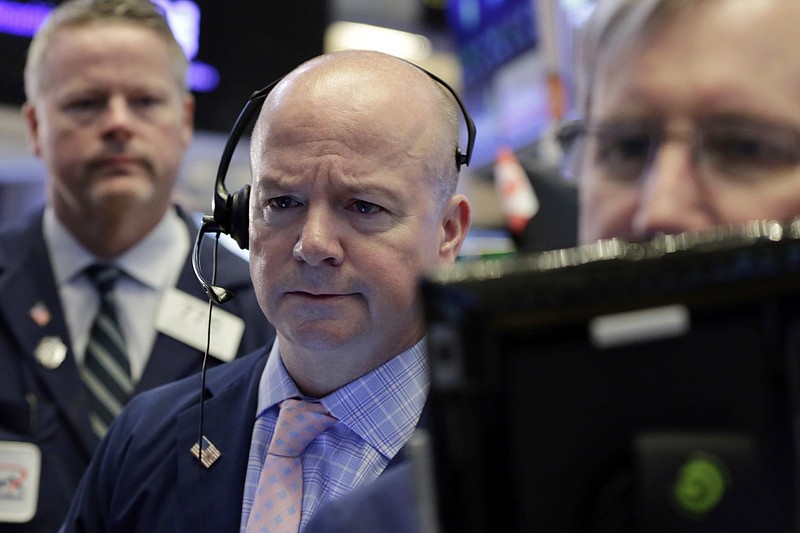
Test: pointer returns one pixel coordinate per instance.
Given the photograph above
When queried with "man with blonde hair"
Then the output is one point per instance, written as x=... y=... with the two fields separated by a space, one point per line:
x=100 y=300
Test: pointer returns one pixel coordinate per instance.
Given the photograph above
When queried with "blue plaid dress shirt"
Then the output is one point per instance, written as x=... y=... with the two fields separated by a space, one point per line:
x=377 y=414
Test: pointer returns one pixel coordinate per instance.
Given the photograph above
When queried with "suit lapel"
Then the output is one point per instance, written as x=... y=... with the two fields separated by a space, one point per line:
x=229 y=413
x=27 y=284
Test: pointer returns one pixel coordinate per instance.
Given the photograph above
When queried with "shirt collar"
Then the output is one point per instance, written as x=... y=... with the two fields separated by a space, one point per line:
x=149 y=262
x=382 y=407
x=276 y=384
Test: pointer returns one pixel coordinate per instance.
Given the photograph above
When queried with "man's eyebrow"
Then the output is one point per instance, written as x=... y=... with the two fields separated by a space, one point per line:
x=351 y=187
x=378 y=189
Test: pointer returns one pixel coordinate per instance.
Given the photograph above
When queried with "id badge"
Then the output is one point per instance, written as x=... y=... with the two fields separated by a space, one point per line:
x=20 y=468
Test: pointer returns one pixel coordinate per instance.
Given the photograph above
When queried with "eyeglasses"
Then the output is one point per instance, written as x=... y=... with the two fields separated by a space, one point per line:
x=730 y=149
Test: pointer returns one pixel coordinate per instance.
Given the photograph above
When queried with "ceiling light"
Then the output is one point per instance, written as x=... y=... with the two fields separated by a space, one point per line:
x=356 y=36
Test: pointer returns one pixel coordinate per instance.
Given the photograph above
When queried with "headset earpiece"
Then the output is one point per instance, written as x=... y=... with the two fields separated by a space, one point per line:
x=239 y=217
x=461 y=159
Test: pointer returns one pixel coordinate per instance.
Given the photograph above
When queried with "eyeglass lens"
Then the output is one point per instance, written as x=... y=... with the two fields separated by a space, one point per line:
x=724 y=149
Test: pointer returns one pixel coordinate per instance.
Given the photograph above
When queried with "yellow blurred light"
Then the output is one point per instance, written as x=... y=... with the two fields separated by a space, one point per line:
x=357 y=36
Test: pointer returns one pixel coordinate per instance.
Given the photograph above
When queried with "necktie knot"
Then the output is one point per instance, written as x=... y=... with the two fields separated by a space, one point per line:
x=103 y=276
x=299 y=423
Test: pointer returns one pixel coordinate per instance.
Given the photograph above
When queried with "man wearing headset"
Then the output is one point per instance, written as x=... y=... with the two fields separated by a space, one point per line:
x=354 y=160
x=109 y=114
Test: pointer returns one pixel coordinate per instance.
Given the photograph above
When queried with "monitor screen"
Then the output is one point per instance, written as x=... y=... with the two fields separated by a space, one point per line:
x=619 y=387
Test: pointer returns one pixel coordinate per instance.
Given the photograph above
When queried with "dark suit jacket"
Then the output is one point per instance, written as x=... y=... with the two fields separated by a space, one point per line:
x=144 y=477
x=49 y=406
x=386 y=506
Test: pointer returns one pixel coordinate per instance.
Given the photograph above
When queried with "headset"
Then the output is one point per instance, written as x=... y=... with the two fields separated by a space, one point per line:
x=230 y=212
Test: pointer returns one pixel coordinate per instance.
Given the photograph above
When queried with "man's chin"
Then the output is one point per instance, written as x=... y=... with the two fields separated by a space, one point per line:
x=326 y=337
x=122 y=193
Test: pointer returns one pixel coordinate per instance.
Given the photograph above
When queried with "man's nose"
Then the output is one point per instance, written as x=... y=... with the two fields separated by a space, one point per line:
x=118 y=118
x=319 y=241
x=672 y=195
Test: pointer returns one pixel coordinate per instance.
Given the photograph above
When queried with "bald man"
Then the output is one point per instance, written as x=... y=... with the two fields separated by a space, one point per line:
x=353 y=199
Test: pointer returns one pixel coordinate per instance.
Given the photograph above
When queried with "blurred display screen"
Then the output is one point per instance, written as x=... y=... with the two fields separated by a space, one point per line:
x=490 y=33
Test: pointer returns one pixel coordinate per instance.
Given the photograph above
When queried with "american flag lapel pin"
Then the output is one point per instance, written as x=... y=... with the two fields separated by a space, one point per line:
x=40 y=314
x=209 y=455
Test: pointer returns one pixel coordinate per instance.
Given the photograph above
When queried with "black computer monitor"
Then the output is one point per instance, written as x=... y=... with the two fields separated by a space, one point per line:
x=619 y=387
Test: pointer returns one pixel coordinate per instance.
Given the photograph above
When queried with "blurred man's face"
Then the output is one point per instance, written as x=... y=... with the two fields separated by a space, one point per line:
x=700 y=126
x=111 y=121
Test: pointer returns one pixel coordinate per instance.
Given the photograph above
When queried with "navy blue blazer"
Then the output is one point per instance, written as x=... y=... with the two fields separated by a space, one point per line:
x=387 y=505
x=144 y=477
x=48 y=407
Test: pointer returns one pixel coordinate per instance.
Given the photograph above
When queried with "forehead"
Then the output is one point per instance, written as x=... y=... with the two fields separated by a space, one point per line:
x=348 y=160
x=357 y=160
x=373 y=130
x=80 y=49
x=725 y=53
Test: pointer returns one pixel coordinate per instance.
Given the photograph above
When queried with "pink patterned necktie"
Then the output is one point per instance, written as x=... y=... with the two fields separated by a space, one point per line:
x=279 y=496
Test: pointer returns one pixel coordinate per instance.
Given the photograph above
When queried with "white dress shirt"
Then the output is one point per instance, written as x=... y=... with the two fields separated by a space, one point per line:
x=151 y=267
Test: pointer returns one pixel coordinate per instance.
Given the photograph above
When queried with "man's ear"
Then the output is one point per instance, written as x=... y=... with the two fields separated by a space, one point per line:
x=31 y=127
x=455 y=223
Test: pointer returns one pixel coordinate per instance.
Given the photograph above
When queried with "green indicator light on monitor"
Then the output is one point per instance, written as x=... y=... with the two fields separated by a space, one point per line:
x=700 y=485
